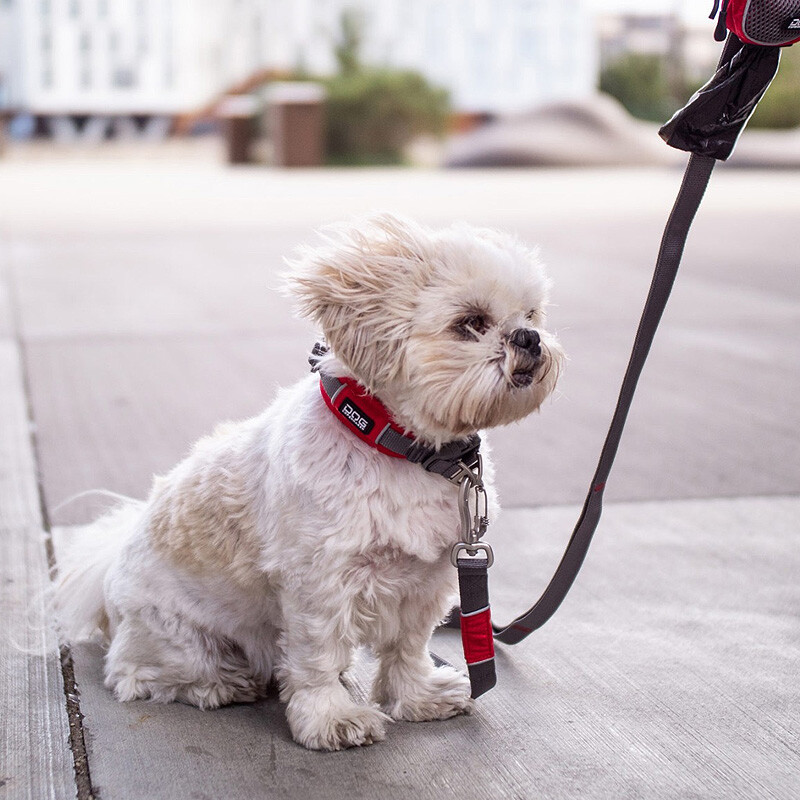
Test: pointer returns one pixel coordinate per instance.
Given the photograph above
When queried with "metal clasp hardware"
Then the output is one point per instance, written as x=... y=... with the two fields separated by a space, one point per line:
x=473 y=525
x=474 y=475
x=471 y=550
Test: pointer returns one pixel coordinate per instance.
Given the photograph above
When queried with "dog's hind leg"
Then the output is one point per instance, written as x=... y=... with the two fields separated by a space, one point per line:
x=166 y=659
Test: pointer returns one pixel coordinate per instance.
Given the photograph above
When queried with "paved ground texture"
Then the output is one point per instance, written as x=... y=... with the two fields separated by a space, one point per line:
x=137 y=309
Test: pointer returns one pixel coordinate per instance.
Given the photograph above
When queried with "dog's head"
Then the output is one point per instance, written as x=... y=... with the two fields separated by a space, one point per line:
x=445 y=327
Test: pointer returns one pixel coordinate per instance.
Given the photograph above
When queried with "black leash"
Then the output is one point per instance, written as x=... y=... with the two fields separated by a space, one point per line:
x=695 y=180
x=474 y=614
x=708 y=127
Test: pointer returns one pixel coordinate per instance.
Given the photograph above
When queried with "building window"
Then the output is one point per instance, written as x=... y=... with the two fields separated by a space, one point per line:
x=74 y=8
x=123 y=78
x=169 y=74
x=85 y=42
x=86 y=78
x=47 y=78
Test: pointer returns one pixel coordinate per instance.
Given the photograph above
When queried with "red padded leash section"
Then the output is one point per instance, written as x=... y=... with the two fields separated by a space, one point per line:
x=477 y=636
x=476 y=623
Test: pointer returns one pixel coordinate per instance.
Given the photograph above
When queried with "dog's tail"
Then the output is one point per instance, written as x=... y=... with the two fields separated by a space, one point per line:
x=77 y=598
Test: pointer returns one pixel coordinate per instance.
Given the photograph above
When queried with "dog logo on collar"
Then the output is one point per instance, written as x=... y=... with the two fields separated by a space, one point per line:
x=356 y=417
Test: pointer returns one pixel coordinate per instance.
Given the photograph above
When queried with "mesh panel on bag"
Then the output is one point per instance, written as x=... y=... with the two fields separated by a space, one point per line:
x=767 y=22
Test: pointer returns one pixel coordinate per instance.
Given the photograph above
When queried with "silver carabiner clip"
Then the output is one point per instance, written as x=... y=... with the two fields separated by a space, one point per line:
x=473 y=526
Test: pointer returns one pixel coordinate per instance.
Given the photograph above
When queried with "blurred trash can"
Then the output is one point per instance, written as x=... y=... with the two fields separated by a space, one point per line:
x=297 y=124
x=238 y=113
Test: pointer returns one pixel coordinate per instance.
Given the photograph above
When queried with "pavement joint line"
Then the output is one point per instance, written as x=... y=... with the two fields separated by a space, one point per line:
x=77 y=739
x=646 y=501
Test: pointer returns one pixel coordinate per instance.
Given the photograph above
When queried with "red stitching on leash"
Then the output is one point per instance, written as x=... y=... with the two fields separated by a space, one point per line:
x=522 y=628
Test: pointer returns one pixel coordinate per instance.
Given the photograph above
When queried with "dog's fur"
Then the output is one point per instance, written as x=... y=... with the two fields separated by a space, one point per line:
x=283 y=543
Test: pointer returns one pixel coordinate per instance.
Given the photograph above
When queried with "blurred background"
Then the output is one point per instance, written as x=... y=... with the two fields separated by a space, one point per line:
x=309 y=82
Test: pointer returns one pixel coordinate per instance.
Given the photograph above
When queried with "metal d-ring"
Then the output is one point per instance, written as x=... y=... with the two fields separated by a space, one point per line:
x=471 y=550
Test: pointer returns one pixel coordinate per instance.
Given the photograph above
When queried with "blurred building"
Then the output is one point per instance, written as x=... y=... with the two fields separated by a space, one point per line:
x=691 y=47
x=99 y=67
x=8 y=57
x=493 y=55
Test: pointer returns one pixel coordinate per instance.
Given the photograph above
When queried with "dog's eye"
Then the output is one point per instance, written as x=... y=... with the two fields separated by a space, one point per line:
x=467 y=327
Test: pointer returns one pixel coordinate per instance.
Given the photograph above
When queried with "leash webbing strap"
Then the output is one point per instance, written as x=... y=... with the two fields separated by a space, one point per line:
x=476 y=623
x=695 y=180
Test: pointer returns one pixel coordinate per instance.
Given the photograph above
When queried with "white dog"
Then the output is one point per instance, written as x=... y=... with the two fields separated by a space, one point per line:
x=283 y=543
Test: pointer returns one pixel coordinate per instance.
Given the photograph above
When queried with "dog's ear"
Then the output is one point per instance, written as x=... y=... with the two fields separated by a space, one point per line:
x=361 y=286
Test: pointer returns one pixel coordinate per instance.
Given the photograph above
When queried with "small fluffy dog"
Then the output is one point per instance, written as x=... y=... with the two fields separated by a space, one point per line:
x=283 y=543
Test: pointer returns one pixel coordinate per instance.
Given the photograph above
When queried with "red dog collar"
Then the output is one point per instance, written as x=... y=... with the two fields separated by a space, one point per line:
x=364 y=415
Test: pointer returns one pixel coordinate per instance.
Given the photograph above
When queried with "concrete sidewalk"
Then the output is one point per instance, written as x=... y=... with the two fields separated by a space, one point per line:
x=135 y=312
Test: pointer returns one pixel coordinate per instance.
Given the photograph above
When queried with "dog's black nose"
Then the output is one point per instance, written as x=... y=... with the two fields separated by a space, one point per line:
x=526 y=339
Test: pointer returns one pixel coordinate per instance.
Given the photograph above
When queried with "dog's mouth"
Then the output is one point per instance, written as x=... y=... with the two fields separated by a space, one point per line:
x=524 y=371
x=521 y=378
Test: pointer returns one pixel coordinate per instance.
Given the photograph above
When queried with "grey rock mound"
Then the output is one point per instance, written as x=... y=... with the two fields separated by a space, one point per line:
x=593 y=132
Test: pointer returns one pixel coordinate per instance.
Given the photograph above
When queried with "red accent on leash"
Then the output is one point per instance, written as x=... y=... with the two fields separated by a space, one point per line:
x=477 y=636
x=370 y=405
x=522 y=628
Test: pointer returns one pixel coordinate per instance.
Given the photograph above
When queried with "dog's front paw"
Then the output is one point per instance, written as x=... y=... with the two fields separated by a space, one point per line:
x=442 y=694
x=332 y=723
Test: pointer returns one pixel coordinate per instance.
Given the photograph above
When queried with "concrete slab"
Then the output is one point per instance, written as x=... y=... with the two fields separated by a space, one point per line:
x=670 y=671
x=153 y=284
x=112 y=413
x=35 y=759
